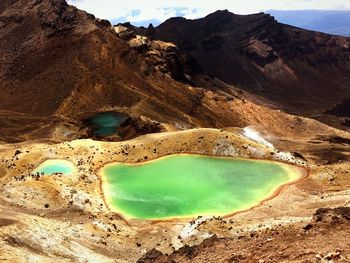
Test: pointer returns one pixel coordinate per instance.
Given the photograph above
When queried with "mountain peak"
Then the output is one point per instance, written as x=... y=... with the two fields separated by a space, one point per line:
x=220 y=13
x=225 y=44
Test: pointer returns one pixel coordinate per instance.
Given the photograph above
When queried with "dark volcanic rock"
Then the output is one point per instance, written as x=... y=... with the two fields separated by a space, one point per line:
x=342 y=109
x=335 y=139
x=134 y=127
x=333 y=215
x=346 y=122
x=297 y=69
x=150 y=256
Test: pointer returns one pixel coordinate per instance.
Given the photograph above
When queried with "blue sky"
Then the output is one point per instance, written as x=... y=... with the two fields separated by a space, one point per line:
x=142 y=12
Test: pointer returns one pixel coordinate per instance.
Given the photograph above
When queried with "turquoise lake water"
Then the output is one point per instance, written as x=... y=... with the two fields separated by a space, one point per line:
x=55 y=166
x=192 y=185
x=106 y=123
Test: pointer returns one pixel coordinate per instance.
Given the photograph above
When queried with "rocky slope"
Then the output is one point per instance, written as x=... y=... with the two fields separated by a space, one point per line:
x=300 y=71
x=317 y=242
x=60 y=64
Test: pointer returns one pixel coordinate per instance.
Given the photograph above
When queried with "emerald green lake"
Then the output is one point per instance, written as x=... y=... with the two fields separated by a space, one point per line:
x=190 y=185
x=55 y=166
x=106 y=123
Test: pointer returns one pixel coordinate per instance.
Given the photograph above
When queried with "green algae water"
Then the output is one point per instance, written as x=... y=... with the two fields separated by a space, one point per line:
x=55 y=166
x=106 y=123
x=190 y=185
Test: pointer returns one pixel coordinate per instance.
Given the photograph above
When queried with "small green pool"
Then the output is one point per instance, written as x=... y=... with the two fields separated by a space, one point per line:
x=106 y=123
x=190 y=185
x=55 y=167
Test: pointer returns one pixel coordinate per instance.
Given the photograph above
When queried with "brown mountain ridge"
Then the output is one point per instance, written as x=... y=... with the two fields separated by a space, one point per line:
x=223 y=86
x=60 y=64
x=300 y=71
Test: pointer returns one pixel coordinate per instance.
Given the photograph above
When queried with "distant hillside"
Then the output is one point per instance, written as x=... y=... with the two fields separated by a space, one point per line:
x=331 y=22
x=297 y=70
x=59 y=65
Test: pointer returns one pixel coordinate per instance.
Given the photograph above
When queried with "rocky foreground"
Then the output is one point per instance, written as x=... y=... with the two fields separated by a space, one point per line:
x=322 y=239
x=62 y=218
x=227 y=73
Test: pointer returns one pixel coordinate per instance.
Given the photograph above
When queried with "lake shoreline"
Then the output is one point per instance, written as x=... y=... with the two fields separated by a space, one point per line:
x=304 y=173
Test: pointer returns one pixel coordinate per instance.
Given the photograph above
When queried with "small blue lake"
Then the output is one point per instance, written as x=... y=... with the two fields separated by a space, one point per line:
x=106 y=123
x=55 y=167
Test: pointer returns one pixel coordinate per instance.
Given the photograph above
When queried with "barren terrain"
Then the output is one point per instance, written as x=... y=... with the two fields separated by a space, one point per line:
x=223 y=85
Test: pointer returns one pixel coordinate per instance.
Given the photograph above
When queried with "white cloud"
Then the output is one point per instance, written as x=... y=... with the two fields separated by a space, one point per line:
x=161 y=10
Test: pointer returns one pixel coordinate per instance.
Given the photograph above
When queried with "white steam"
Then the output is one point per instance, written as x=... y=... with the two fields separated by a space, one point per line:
x=253 y=135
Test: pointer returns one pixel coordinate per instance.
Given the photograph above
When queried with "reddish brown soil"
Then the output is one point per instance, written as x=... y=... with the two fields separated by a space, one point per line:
x=60 y=64
x=318 y=241
x=300 y=71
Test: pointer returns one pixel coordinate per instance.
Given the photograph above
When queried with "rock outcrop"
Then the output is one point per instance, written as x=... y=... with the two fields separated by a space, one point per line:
x=301 y=71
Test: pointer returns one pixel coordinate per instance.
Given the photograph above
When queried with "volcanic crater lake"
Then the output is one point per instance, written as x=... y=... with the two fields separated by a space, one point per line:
x=178 y=186
x=55 y=166
x=106 y=123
